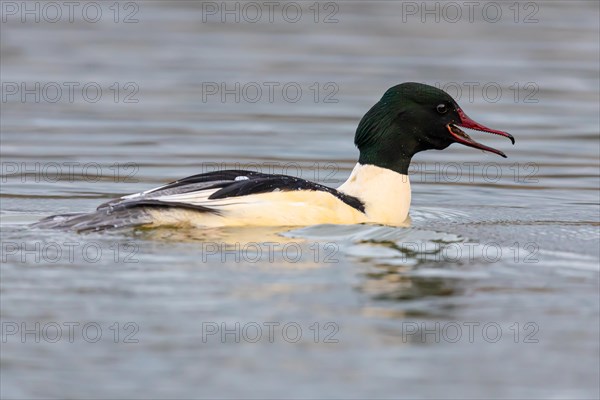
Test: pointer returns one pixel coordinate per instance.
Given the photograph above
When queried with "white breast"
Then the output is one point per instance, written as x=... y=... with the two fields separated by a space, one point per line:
x=385 y=193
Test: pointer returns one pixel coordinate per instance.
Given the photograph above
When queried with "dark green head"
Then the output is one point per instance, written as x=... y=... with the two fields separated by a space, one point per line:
x=409 y=118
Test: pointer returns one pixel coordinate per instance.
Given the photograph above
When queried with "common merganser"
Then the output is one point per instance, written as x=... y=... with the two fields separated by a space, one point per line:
x=409 y=118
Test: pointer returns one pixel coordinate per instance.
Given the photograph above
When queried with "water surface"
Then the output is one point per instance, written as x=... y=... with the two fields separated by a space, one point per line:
x=506 y=247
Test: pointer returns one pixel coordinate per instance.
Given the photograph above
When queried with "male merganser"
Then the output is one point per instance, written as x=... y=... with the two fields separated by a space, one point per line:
x=409 y=118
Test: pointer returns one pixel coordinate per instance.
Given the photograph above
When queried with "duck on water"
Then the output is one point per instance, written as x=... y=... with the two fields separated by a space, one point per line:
x=409 y=118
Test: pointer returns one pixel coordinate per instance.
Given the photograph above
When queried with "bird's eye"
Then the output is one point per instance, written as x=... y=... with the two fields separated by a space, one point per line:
x=442 y=108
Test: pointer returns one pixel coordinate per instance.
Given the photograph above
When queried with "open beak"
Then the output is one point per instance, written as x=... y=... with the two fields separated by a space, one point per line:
x=462 y=138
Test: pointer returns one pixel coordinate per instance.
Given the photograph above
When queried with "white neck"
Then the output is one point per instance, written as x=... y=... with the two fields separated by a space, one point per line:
x=385 y=193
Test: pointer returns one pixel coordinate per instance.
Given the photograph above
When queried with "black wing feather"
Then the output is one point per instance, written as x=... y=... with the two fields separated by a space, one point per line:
x=271 y=183
x=218 y=177
x=254 y=183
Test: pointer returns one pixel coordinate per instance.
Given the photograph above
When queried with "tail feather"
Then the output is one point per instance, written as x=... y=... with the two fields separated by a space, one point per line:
x=98 y=220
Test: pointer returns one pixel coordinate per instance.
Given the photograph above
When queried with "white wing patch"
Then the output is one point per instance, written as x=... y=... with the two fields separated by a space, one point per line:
x=141 y=194
x=198 y=198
